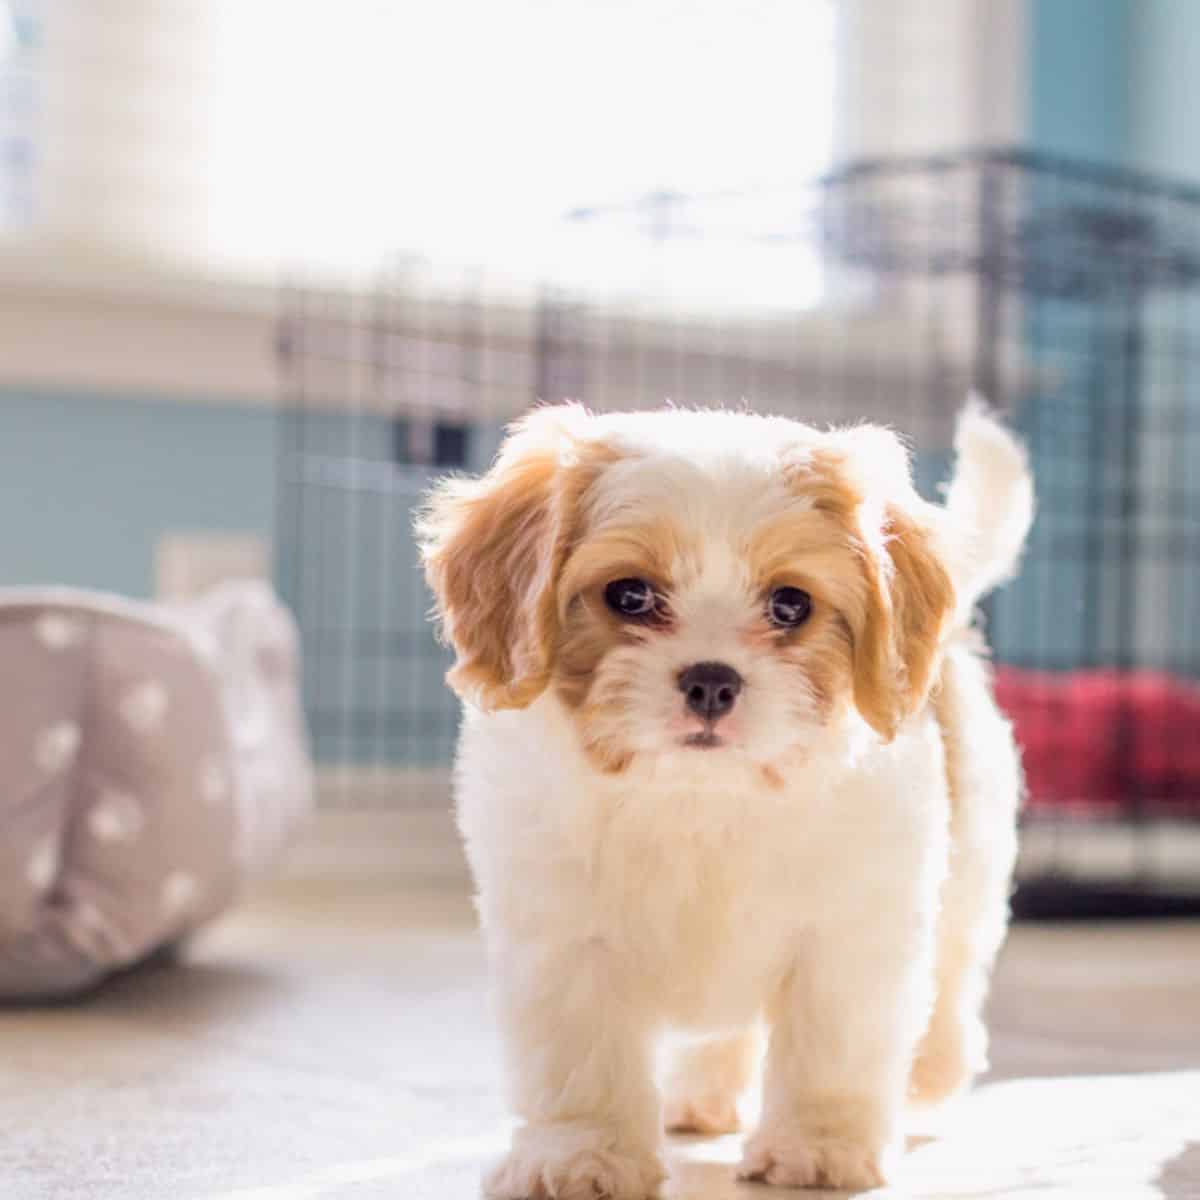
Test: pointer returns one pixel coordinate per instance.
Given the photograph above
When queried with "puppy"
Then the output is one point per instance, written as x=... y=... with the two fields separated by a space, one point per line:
x=729 y=758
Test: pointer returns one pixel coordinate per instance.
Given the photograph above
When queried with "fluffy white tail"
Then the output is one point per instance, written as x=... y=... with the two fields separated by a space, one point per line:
x=990 y=504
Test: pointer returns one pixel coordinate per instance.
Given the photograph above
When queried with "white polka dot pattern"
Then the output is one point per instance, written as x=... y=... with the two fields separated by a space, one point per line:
x=144 y=706
x=116 y=817
x=43 y=864
x=56 y=746
x=58 y=631
x=179 y=892
x=157 y=761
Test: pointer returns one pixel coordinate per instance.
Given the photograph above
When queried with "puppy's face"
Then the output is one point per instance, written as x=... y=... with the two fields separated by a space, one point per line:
x=692 y=583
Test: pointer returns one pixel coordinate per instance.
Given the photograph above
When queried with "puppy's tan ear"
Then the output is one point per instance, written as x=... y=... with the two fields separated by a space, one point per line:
x=909 y=600
x=492 y=550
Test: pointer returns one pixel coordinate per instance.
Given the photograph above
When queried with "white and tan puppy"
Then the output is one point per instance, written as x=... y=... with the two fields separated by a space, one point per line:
x=729 y=760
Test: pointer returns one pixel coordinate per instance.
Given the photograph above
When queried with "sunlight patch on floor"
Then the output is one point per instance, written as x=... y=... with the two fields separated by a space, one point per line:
x=1087 y=1138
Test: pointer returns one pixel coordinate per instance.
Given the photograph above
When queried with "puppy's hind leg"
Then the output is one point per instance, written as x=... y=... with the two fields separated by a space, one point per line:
x=953 y=1049
x=705 y=1079
x=984 y=778
x=974 y=915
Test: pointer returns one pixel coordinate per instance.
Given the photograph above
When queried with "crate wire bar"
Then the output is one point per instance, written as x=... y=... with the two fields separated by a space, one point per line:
x=1064 y=292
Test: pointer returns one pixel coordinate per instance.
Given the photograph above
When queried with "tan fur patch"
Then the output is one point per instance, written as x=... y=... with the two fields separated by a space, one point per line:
x=903 y=636
x=654 y=550
x=898 y=597
x=493 y=549
x=771 y=777
x=815 y=549
x=923 y=597
x=588 y=633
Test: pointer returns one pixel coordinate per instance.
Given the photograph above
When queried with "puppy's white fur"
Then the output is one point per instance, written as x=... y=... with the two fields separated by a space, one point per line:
x=830 y=872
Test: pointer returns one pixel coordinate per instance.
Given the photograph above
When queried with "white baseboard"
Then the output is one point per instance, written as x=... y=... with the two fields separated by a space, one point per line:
x=380 y=824
x=416 y=845
x=375 y=788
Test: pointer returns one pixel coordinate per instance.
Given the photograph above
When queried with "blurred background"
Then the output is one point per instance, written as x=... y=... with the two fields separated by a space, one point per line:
x=269 y=266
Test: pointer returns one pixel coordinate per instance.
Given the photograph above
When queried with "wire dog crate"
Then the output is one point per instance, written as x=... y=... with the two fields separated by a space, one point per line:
x=1063 y=292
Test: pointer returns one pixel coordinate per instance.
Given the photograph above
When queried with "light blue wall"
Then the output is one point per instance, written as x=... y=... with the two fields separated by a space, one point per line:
x=89 y=483
x=1079 y=100
x=1080 y=108
x=1165 y=85
x=1116 y=81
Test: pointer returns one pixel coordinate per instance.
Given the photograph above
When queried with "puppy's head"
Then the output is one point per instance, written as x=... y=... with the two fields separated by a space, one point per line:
x=691 y=582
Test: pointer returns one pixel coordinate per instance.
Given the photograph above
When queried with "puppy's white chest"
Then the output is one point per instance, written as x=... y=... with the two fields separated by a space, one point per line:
x=704 y=919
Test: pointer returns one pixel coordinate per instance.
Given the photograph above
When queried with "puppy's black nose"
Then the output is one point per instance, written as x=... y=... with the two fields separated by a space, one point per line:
x=711 y=688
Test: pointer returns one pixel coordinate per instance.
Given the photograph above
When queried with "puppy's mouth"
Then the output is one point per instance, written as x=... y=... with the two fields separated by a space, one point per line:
x=706 y=739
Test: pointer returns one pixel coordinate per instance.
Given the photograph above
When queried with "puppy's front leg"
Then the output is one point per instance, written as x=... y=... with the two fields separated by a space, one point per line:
x=581 y=1072
x=844 y=1024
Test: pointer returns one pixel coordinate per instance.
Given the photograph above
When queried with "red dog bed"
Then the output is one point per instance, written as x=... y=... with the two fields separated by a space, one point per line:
x=1106 y=742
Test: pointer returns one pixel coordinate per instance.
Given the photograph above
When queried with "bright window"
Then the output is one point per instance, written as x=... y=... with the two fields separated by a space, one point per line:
x=241 y=136
x=466 y=128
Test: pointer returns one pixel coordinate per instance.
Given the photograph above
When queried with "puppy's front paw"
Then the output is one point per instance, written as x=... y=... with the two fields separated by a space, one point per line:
x=573 y=1162
x=799 y=1161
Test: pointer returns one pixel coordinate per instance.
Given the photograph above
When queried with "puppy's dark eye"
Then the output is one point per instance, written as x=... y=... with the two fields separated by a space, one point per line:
x=631 y=598
x=789 y=607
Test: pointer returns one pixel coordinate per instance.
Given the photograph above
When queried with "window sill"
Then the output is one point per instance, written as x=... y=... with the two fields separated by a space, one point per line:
x=84 y=322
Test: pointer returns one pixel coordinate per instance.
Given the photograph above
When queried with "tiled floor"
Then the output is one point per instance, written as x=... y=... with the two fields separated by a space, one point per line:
x=333 y=1042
